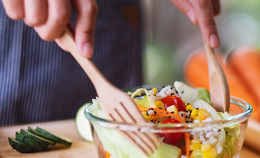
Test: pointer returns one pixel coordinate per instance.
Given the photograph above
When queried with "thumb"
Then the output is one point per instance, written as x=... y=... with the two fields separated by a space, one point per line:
x=85 y=25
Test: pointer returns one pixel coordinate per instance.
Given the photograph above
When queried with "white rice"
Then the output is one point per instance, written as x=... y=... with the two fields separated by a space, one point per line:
x=196 y=121
x=150 y=112
x=209 y=119
x=166 y=91
x=212 y=140
x=209 y=134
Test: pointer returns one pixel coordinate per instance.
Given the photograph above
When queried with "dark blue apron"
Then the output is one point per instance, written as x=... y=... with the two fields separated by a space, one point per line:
x=41 y=82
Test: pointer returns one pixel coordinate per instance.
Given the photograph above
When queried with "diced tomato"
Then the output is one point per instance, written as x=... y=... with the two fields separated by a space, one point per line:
x=174 y=100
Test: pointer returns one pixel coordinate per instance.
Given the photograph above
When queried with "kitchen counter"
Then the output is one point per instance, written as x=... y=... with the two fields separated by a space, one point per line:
x=79 y=148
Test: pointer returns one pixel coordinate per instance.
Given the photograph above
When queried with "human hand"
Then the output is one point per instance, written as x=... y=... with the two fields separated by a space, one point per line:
x=202 y=12
x=50 y=17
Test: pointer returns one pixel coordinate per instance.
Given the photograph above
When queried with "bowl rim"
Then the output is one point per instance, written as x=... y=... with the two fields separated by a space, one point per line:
x=178 y=126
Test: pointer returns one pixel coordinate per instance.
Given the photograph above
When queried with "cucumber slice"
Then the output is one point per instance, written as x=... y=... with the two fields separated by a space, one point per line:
x=33 y=131
x=83 y=125
x=18 y=146
x=31 y=140
x=58 y=138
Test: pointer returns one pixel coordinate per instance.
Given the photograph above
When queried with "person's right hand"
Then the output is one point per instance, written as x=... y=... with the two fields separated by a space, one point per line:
x=50 y=17
x=202 y=12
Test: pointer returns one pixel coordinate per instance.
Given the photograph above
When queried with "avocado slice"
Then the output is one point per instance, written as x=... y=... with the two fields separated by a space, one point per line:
x=58 y=138
x=18 y=146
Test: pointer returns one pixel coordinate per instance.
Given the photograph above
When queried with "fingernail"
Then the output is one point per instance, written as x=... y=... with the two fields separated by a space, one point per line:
x=192 y=17
x=87 y=50
x=214 y=43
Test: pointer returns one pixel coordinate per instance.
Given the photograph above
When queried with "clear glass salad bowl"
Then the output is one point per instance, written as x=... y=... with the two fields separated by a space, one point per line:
x=109 y=143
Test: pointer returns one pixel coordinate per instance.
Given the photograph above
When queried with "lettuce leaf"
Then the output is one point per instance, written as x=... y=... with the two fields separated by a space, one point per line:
x=226 y=152
x=232 y=133
x=203 y=94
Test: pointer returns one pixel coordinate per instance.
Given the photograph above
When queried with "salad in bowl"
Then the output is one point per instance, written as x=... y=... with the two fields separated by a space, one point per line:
x=183 y=119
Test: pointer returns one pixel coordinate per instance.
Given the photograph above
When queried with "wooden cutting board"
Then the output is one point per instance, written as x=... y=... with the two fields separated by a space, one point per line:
x=79 y=148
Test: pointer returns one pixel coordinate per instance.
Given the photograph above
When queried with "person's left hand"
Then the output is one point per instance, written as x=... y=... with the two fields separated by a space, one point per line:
x=202 y=12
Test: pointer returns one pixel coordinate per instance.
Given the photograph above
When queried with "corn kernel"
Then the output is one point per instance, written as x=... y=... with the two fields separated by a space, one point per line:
x=203 y=113
x=211 y=153
x=173 y=109
x=193 y=113
x=148 y=118
x=195 y=146
x=195 y=141
x=197 y=118
x=159 y=104
x=206 y=147
x=155 y=91
x=189 y=107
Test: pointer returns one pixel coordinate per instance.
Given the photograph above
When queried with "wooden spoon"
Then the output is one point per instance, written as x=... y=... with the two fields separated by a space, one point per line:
x=219 y=90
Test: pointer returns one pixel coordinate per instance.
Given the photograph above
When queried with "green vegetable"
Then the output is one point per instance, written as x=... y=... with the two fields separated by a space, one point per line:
x=55 y=136
x=232 y=133
x=204 y=95
x=33 y=131
x=146 y=101
x=18 y=146
x=165 y=151
x=83 y=125
x=226 y=152
x=143 y=102
x=32 y=140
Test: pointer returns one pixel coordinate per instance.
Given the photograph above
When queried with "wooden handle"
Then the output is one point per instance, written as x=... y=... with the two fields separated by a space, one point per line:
x=87 y=65
x=219 y=90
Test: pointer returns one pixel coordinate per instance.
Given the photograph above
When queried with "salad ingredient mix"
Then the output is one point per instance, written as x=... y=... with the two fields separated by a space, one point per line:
x=171 y=105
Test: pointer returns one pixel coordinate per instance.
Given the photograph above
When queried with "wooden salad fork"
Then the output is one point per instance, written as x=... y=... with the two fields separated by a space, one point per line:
x=116 y=104
x=219 y=90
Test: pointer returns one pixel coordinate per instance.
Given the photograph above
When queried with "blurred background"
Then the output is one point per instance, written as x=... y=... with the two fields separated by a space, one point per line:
x=170 y=37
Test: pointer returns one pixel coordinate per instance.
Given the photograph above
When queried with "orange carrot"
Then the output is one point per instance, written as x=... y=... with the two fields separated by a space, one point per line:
x=107 y=154
x=196 y=74
x=245 y=61
x=155 y=109
x=195 y=69
x=139 y=106
x=177 y=117
x=187 y=143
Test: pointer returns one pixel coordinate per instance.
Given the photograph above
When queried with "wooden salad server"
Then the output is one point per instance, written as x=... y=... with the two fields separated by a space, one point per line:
x=219 y=90
x=116 y=104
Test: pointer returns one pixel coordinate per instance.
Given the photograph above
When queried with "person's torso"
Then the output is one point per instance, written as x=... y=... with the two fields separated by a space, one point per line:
x=41 y=82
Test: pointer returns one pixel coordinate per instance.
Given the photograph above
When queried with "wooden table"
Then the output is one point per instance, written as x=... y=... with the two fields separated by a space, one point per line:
x=78 y=149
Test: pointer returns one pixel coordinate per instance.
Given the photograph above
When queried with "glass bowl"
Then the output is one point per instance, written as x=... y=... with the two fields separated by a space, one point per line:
x=111 y=144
